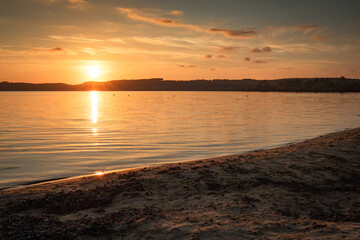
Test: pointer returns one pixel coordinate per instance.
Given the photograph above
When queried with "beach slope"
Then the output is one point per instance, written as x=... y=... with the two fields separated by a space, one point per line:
x=309 y=189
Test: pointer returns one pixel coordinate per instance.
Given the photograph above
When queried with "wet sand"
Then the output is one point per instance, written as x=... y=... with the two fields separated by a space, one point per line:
x=309 y=189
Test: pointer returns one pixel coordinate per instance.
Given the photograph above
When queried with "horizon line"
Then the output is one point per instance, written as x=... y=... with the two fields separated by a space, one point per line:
x=161 y=79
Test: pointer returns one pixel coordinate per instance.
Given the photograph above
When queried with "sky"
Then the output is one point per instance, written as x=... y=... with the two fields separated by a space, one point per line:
x=74 y=41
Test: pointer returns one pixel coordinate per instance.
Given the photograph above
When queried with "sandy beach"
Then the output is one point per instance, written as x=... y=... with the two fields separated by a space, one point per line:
x=304 y=190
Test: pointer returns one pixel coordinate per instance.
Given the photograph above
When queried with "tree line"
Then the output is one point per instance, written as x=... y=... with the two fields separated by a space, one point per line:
x=158 y=84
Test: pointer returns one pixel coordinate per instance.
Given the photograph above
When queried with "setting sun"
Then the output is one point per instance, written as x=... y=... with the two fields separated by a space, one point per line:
x=93 y=71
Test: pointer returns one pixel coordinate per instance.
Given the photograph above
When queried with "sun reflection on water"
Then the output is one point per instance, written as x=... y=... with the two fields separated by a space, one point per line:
x=94 y=106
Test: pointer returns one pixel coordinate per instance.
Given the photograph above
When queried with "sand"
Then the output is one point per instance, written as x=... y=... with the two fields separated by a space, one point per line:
x=305 y=190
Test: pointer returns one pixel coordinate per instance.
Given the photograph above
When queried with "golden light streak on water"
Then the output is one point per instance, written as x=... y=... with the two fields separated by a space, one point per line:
x=94 y=106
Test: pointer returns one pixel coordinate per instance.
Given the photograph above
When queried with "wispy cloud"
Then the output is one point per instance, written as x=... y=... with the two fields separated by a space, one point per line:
x=176 y=12
x=272 y=27
x=229 y=48
x=73 y=4
x=189 y=66
x=116 y=40
x=208 y=56
x=266 y=49
x=137 y=15
x=305 y=27
x=56 y=49
x=69 y=1
x=282 y=30
x=260 y=61
x=175 y=42
x=77 y=38
x=255 y=50
x=234 y=33
x=302 y=27
x=248 y=59
x=318 y=38
x=6 y=52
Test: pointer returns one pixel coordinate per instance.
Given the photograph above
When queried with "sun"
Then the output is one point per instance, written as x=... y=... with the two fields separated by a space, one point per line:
x=93 y=71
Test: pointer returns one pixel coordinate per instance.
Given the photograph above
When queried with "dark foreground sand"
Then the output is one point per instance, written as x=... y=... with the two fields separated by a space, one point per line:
x=305 y=190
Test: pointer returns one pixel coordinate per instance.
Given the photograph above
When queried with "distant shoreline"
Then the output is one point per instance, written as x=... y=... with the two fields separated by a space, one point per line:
x=158 y=84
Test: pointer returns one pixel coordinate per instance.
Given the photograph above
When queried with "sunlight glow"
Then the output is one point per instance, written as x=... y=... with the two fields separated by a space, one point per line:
x=94 y=106
x=99 y=172
x=93 y=71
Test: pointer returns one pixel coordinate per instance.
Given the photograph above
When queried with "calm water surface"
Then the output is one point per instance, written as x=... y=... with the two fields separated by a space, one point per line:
x=45 y=135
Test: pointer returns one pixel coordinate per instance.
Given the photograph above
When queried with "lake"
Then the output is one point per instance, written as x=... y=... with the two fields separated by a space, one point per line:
x=49 y=135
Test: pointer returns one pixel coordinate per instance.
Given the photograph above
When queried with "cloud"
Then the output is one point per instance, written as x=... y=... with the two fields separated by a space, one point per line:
x=258 y=50
x=305 y=27
x=259 y=61
x=116 y=40
x=90 y=51
x=267 y=49
x=229 y=48
x=70 y=1
x=72 y=4
x=76 y=1
x=318 y=38
x=234 y=33
x=43 y=51
x=78 y=39
x=208 y=56
x=167 y=21
x=247 y=59
x=272 y=27
x=176 y=12
x=277 y=30
x=137 y=15
x=189 y=66
x=56 y=49
x=186 y=43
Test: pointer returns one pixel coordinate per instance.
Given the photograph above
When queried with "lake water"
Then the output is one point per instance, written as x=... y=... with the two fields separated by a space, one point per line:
x=47 y=135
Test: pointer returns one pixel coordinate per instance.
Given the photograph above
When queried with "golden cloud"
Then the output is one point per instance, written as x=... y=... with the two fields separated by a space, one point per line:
x=229 y=48
x=136 y=15
x=176 y=12
x=234 y=33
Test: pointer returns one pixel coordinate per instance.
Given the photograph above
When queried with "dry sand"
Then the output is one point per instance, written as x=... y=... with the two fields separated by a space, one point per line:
x=306 y=190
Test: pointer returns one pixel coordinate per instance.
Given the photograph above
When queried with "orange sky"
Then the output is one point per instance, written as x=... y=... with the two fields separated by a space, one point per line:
x=57 y=40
